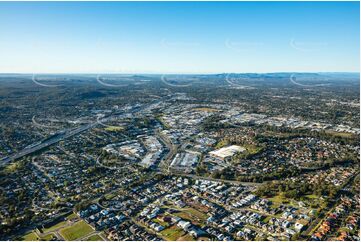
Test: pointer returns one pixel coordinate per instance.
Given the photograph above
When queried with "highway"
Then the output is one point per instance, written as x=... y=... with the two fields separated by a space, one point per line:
x=66 y=134
x=48 y=142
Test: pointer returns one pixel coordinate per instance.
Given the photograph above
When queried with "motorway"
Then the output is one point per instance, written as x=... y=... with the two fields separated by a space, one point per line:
x=48 y=142
x=65 y=135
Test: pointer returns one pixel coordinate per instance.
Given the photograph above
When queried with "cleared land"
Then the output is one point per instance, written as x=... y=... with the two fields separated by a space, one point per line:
x=192 y=214
x=172 y=233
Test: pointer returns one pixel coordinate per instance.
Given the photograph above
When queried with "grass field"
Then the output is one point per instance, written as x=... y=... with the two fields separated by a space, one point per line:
x=172 y=233
x=109 y=196
x=193 y=215
x=76 y=231
x=312 y=196
x=266 y=219
x=186 y=237
x=71 y=216
x=197 y=213
x=12 y=167
x=114 y=128
x=311 y=200
x=30 y=236
x=60 y=224
x=279 y=199
x=48 y=237
x=252 y=149
x=164 y=224
x=211 y=110
x=221 y=144
x=54 y=227
x=340 y=134
x=94 y=238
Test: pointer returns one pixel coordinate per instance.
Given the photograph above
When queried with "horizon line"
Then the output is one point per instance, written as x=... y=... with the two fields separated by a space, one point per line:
x=170 y=73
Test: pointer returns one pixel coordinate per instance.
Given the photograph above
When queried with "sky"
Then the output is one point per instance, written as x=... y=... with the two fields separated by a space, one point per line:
x=179 y=37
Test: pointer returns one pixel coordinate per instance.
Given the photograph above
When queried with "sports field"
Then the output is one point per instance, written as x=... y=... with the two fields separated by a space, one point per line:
x=76 y=231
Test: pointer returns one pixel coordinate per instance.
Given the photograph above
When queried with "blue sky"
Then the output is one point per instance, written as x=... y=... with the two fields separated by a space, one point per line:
x=179 y=37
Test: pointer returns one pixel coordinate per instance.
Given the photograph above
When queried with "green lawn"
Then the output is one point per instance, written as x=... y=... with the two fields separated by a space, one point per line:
x=221 y=144
x=54 y=227
x=94 y=238
x=197 y=213
x=76 y=231
x=12 y=167
x=71 y=216
x=252 y=149
x=266 y=219
x=114 y=128
x=312 y=196
x=30 y=236
x=34 y=237
x=172 y=233
x=60 y=224
x=164 y=224
x=109 y=196
x=279 y=199
x=47 y=237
